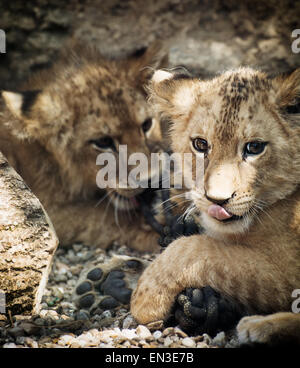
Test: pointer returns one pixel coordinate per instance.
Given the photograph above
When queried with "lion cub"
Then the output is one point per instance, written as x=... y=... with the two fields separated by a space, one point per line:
x=53 y=129
x=246 y=126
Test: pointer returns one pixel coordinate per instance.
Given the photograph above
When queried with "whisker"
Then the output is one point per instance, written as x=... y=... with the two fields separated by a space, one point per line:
x=101 y=200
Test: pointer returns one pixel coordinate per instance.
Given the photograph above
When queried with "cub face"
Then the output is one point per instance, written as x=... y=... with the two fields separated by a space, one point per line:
x=84 y=106
x=246 y=126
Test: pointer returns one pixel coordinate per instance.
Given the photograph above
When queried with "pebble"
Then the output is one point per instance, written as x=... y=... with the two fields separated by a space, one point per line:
x=168 y=341
x=157 y=325
x=129 y=334
x=129 y=321
x=207 y=339
x=106 y=314
x=188 y=342
x=77 y=247
x=16 y=332
x=31 y=343
x=10 y=345
x=48 y=313
x=40 y=322
x=179 y=332
x=30 y=328
x=157 y=334
x=82 y=315
x=20 y=340
x=167 y=331
x=202 y=345
x=58 y=292
x=143 y=333
x=220 y=339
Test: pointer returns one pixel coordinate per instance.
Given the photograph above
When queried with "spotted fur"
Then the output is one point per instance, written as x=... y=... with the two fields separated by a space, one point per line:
x=255 y=259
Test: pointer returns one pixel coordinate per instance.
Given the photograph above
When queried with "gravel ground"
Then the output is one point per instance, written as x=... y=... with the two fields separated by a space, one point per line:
x=60 y=324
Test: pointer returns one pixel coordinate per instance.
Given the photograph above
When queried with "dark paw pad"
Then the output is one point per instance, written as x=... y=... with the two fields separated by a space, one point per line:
x=115 y=286
x=95 y=274
x=108 y=285
x=205 y=310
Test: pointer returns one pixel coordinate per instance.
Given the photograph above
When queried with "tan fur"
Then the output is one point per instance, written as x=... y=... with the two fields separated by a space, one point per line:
x=48 y=141
x=255 y=260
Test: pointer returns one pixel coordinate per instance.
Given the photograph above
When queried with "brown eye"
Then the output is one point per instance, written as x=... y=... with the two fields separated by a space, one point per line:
x=200 y=145
x=254 y=148
x=103 y=143
x=147 y=124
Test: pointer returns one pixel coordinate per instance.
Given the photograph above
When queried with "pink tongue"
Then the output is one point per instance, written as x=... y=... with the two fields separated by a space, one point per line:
x=218 y=212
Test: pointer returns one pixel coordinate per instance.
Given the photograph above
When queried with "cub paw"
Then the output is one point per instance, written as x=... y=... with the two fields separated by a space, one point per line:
x=205 y=310
x=108 y=285
x=177 y=226
x=279 y=329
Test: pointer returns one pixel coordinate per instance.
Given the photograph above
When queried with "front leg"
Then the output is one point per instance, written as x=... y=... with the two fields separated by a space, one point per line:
x=236 y=271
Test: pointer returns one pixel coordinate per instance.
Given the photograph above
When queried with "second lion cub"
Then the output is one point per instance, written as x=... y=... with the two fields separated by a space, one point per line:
x=52 y=130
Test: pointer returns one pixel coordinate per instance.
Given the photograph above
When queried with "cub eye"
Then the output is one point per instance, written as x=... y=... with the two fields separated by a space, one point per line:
x=200 y=145
x=104 y=143
x=254 y=148
x=147 y=124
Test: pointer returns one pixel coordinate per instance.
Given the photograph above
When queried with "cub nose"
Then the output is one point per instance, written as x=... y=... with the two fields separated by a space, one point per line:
x=219 y=201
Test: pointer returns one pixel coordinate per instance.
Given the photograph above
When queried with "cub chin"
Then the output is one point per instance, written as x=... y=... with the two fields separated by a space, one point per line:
x=56 y=125
x=245 y=127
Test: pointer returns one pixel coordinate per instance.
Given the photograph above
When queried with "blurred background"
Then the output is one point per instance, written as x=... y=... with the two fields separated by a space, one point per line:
x=206 y=36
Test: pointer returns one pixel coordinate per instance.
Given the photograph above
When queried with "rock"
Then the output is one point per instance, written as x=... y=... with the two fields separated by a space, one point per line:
x=129 y=321
x=188 y=342
x=179 y=332
x=10 y=345
x=40 y=322
x=202 y=345
x=20 y=340
x=126 y=344
x=106 y=314
x=157 y=325
x=168 y=341
x=28 y=242
x=82 y=315
x=207 y=339
x=66 y=340
x=31 y=343
x=49 y=314
x=30 y=328
x=144 y=333
x=219 y=339
x=157 y=335
x=15 y=332
x=129 y=334
x=167 y=331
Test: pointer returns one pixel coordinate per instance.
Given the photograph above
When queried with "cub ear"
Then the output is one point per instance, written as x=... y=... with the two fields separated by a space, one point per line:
x=145 y=60
x=20 y=103
x=173 y=93
x=288 y=92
